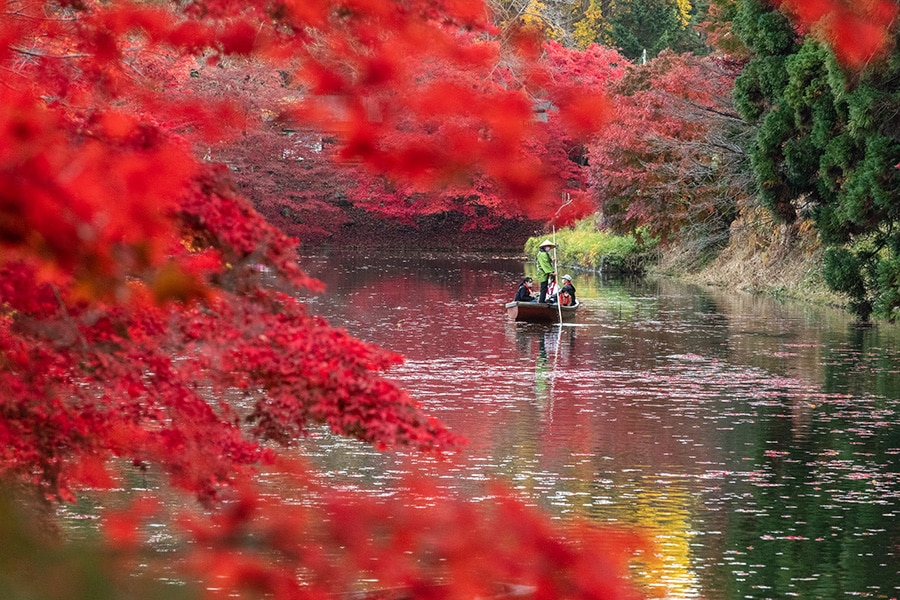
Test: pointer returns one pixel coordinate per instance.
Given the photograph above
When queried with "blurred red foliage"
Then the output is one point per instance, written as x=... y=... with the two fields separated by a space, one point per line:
x=857 y=31
x=149 y=313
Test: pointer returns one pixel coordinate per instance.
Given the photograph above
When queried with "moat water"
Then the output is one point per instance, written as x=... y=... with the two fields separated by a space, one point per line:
x=757 y=442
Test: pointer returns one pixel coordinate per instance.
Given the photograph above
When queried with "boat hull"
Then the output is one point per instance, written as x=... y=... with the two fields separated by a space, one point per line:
x=538 y=312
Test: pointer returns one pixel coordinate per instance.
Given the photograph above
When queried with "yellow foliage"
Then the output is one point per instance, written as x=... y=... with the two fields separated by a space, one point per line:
x=684 y=12
x=533 y=14
x=592 y=27
x=536 y=15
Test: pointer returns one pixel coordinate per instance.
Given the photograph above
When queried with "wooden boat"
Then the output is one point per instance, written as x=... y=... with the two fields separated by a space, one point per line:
x=538 y=312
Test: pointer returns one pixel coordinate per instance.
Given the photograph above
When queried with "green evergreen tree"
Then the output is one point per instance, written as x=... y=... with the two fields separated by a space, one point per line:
x=859 y=215
x=758 y=92
x=827 y=147
x=651 y=25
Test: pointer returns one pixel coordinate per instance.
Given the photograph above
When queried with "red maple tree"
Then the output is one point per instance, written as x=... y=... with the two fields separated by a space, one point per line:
x=669 y=162
x=541 y=116
x=501 y=139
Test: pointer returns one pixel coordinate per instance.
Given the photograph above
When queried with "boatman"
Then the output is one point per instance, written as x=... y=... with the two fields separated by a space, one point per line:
x=544 y=267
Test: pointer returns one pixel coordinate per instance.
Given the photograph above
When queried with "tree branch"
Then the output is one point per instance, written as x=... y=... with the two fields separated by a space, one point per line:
x=40 y=54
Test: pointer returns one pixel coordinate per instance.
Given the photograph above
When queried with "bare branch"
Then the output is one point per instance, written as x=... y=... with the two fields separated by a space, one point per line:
x=42 y=54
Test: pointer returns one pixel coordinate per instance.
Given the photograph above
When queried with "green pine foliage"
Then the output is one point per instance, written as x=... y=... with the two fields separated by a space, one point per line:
x=648 y=25
x=779 y=164
x=636 y=26
x=827 y=146
x=843 y=272
x=771 y=39
x=888 y=282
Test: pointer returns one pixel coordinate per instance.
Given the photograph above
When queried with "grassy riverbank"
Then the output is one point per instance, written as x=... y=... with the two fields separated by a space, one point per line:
x=585 y=247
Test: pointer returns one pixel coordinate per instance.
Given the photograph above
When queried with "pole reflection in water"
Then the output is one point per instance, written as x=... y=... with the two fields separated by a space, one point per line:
x=756 y=441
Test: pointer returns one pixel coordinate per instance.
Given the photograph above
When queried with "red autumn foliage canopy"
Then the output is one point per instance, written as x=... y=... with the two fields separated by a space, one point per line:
x=489 y=141
x=106 y=218
x=541 y=146
x=664 y=164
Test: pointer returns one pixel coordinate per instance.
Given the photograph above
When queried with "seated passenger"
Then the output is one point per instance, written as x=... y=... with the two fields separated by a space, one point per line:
x=552 y=289
x=567 y=293
x=523 y=294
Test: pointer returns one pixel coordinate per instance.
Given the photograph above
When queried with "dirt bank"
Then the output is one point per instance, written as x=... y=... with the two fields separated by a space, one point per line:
x=762 y=257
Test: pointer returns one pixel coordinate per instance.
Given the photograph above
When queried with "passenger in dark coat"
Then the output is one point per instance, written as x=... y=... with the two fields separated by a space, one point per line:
x=566 y=293
x=569 y=289
x=523 y=294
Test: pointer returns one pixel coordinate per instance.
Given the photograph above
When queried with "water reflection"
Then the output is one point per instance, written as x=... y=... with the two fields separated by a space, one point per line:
x=757 y=441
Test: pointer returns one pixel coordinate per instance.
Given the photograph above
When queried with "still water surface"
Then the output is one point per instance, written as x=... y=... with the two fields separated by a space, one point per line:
x=758 y=442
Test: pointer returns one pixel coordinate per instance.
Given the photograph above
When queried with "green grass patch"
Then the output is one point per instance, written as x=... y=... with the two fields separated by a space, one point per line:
x=585 y=246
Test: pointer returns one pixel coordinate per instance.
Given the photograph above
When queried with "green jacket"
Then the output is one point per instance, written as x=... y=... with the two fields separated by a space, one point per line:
x=544 y=265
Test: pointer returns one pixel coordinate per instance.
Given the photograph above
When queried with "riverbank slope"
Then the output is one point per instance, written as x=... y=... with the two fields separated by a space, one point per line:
x=761 y=257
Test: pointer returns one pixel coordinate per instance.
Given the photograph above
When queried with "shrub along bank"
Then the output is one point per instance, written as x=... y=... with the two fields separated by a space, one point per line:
x=587 y=247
